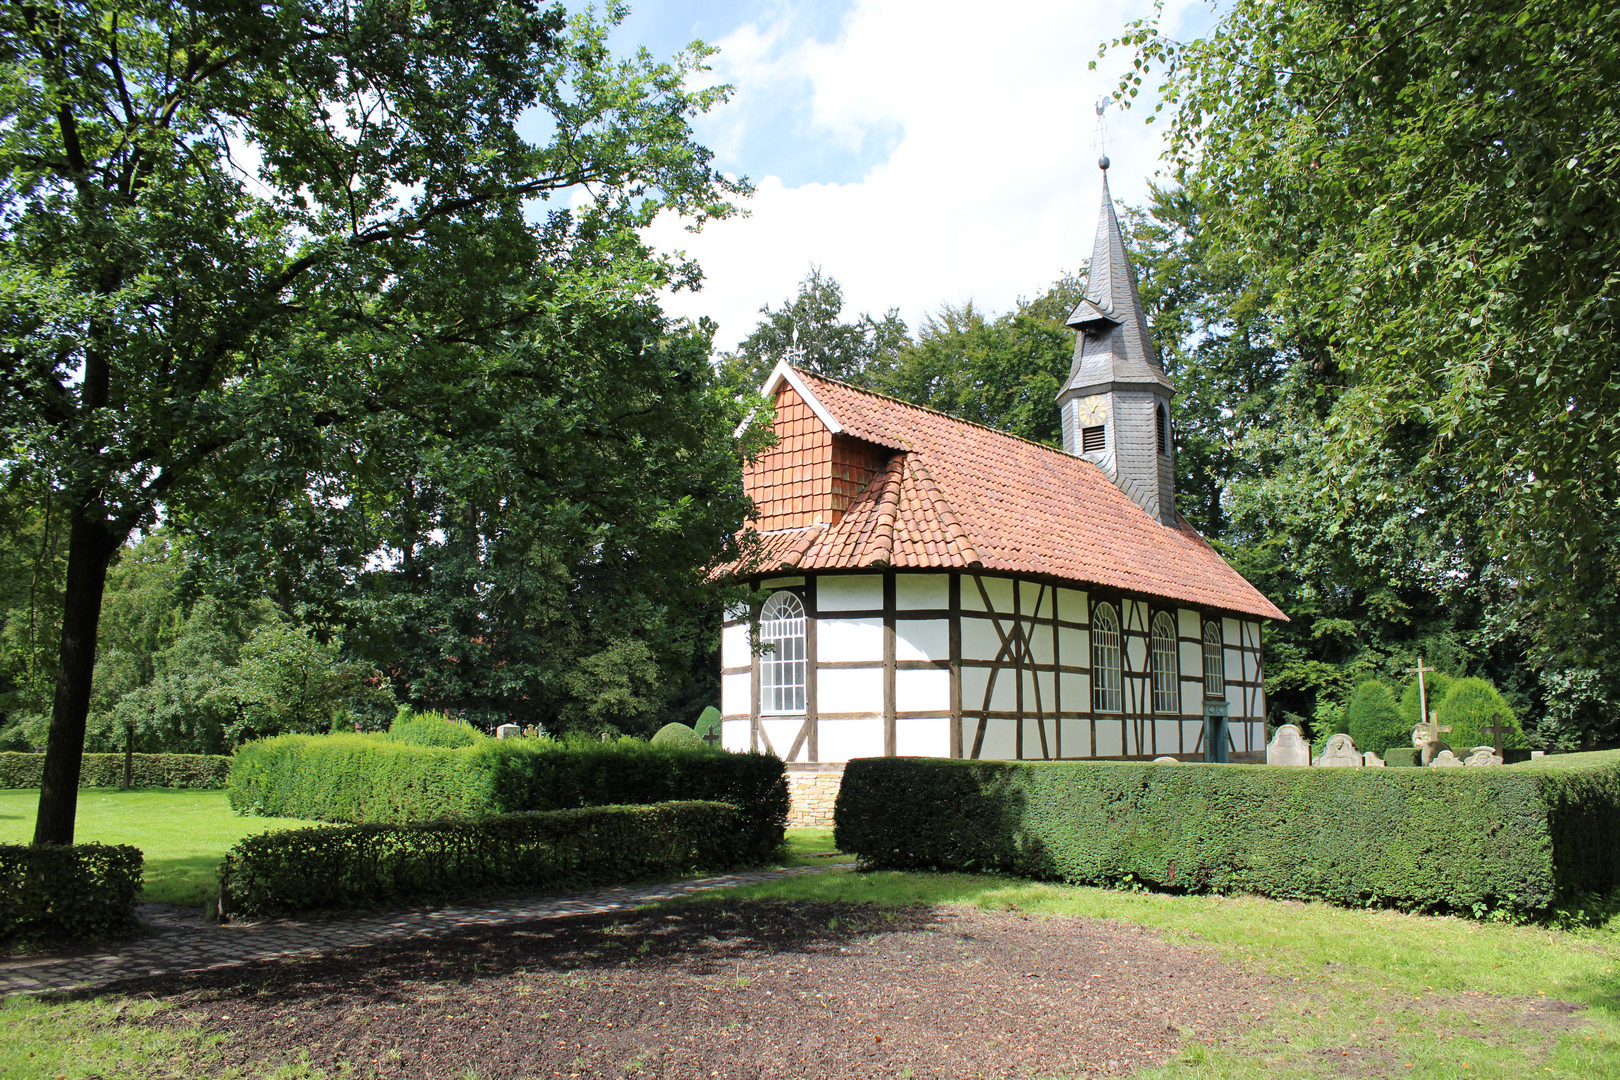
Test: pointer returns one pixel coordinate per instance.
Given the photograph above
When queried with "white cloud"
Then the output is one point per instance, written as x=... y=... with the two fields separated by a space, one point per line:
x=990 y=188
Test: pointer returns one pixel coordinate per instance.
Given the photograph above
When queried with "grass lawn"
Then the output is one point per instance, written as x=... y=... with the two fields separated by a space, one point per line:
x=183 y=834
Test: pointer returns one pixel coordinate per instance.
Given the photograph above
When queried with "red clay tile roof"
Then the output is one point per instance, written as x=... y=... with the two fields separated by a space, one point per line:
x=955 y=494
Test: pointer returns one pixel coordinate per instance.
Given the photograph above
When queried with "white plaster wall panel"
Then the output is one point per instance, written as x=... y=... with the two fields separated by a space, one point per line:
x=1040 y=644
x=1074 y=647
x=1136 y=649
x=1189 y=734
x=979 y=640
x=849 y=592
x=1187 y=624
x=781 y=582
x=915 y=691
x=922 y=591
x=1234 y=703
x=735 y=691
x=1139 y=615
x=841 y=740
x=921 y=639
x=844 y=640
x=1128 y=733
x=1003 y=699
x=1071 y=605
x=1260 y=703
x=734 y=735
x=782 y=732
x=1164 y=736
x=1076 y=692
x=1032 y=740
x=1110 y=742
x=734 y=645
x=849 y=690
x=1047 y=685
x=1034 y=599
x=999 y=741
x=929 y=737
x=1230 y=632
x=1076 y=735
x=1000 y=591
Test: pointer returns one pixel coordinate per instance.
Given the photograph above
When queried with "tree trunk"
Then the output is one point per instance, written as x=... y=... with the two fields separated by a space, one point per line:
x=90 y=553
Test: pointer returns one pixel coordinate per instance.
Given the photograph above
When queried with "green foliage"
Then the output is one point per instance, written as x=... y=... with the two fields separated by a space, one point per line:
x=806 y=332
x=1519 y=838
x=708 y=724
x=365 y=865
x=1435 y=686
x=1373 y=719
x=433 y=729
x=677 y=735
x=82 y=891
x=363 y=779
x=107 y=770
x=1468 y=707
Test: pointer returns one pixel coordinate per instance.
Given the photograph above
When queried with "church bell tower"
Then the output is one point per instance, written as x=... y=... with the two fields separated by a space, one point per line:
x=1116 y=402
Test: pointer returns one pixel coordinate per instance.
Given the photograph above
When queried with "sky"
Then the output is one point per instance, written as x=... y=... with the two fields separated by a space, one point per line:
x=921 y=154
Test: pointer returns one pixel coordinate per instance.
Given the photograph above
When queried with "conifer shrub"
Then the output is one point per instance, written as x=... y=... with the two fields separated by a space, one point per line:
x=677 y=735
x=1468 y=707
x=359 y=779
x=1435 y=685
x=52 y=891
x=432 y=729
x=1374 y=720
x=107 y=770
x=354 y=866
x=708 y=723
x=1521 y=837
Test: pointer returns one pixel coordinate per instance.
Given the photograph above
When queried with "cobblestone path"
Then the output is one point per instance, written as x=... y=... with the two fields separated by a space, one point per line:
x=182 y=941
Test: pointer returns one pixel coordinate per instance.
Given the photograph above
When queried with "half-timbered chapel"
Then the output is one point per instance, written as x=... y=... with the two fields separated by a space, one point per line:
x=934 y=587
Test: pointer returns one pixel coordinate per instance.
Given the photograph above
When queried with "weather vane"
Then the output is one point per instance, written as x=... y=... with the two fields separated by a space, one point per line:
x=1101 y=137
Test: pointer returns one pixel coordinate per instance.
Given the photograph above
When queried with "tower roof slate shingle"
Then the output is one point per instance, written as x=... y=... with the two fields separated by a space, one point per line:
x=1114 y=345
x=953 y=494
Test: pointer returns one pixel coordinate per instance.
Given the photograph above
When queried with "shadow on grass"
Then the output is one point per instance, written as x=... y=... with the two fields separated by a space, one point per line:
x=703 y=941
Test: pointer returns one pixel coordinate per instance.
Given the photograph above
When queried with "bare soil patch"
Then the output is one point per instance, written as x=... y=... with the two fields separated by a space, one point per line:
x=738 y=990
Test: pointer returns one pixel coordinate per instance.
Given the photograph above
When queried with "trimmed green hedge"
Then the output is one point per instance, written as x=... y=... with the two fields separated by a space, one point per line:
x=107 y=770
x=57 y=891
x=349 y=866
x=1521 y=837
x=359 y=778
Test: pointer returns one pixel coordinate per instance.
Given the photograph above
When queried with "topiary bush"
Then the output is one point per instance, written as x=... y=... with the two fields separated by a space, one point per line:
x=356 y=778
x=1520 y=837
x=58 y=891
x=352 y=866
x=708 y=723
x=107 y=770
x=677 y=735
x=1374 y=720
x=1435 y=683
x=432 y=729
x=1468 y=707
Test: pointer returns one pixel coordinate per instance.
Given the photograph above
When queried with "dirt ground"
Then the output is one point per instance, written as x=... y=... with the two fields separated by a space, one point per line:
x=740 y=990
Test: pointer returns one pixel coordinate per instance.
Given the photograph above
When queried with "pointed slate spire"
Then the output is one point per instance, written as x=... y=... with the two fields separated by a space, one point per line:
x=1116 y=402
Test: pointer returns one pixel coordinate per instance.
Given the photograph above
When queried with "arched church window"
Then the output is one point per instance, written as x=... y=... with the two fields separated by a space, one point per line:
x=1166 y=676
x=1163 y=425
x=1214 y=661
x=1107 y=694
x=782 y=663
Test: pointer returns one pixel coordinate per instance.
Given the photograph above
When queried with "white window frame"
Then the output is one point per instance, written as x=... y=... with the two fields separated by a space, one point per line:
x=1214 y=660
x=782 y=659
x=1166 y=668
x=1107 y=681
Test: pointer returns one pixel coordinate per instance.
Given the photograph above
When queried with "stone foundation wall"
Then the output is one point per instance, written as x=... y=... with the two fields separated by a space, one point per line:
x=812 y=790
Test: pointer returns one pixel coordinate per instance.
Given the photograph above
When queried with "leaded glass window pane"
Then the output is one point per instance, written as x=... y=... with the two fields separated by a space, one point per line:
x=782 y=662
x=1166 y=673
x=1107 y=688
x=1214 y=661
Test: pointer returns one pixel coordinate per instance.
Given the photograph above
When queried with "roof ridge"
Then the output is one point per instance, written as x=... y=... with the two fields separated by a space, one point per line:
x=956 y=534
x=939 y=412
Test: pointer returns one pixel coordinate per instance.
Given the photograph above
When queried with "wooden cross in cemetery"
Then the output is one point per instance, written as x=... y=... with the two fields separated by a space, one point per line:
x=1498 y=729
x=1429 y=725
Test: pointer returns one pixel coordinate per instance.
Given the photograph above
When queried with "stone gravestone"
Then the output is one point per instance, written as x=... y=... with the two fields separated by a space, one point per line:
x=1167 y=760
x=1482 y=755
x=1426 y=739
x=1340 y=753
x=1288 y=747
x=508 y=731
x=1445 y=759
x=1372 y=760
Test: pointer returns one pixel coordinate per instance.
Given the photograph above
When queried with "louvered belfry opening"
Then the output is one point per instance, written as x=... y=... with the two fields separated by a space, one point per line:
x=1163 y=426
x=1093 y=440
